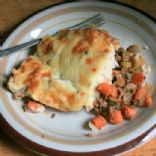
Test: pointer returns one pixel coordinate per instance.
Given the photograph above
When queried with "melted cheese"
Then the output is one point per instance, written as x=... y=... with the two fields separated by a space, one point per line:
x=74 y=63
x=84 y=57
x=35 y=80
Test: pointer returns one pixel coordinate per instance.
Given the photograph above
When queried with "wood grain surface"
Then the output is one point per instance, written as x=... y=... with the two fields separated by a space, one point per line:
x=12 y=12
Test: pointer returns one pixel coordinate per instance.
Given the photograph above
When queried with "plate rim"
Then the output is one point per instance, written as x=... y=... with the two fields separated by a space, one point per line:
x=40 y=149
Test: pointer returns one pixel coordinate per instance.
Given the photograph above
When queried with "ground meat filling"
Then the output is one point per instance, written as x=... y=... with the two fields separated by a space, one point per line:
x=118 y=101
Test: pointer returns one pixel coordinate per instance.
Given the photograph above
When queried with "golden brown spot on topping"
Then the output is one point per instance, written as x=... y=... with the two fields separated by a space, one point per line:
x=30 y=63
x=47 y=45
x=33 y=85
x=103 y=39
x=32 y=76
x=41 y=96
x=29 y=59
x=108 y=39
x=63 y=33
x=82 y=94
x=53 y=96
x=55 y=99
x=78 y=31
x=89 y=60
x=94 y=69
x=46 y=74
x=65 y=41
x=32 y=80
x=80 y=47
x=104 y=48
x=92 y=36
x=71 y=98
x=23 y=68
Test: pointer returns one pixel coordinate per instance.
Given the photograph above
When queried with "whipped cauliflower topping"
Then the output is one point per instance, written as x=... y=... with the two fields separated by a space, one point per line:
x=67 y=69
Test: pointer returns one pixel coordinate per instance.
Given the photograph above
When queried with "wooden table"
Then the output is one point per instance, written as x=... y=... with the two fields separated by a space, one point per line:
x=11 y=13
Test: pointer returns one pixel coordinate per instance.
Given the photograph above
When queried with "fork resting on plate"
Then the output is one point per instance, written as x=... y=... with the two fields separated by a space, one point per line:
x=97 y=20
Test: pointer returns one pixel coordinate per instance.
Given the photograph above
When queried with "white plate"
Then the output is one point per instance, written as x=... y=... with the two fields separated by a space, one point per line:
x=66 y=131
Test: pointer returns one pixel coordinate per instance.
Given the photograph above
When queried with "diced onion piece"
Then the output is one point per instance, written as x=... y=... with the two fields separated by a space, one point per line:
x=126 y=64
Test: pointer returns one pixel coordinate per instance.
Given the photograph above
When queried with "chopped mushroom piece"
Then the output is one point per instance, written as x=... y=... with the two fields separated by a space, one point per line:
x=116 y=116
x=135 y=48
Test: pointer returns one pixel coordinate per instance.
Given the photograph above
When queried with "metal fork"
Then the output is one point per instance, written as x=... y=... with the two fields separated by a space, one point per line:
x=97 y=20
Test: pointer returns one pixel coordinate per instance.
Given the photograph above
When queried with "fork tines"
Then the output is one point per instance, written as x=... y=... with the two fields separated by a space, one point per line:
x=96 y=20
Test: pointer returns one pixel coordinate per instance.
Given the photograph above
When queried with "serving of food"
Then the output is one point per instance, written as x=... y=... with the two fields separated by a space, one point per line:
x=128 y=90
x=70 y=64
x=80 y=90
x=84 y=68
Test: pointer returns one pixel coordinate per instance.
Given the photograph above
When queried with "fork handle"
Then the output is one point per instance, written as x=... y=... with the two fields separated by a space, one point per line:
x=83 y=24
x=19 y=47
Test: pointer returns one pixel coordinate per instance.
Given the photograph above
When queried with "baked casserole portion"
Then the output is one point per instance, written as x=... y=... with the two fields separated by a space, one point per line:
x=67 y=69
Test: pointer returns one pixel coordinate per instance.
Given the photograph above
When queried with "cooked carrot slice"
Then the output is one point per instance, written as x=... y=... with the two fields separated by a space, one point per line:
x=99 y=121
x=105 y=88
x=140 y=93
x=46 y=74
x=32 y=105
x=93 y=36
x=138 y=78
x=80 y=47
x=128 y=112
x=148 y=101
x=116 y=117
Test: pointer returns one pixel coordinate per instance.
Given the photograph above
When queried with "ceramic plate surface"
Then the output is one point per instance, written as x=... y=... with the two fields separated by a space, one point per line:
x=67 y=131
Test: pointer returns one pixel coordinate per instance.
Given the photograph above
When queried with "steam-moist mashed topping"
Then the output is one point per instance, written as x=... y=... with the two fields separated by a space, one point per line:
x=67 y=69
x=35 y=80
